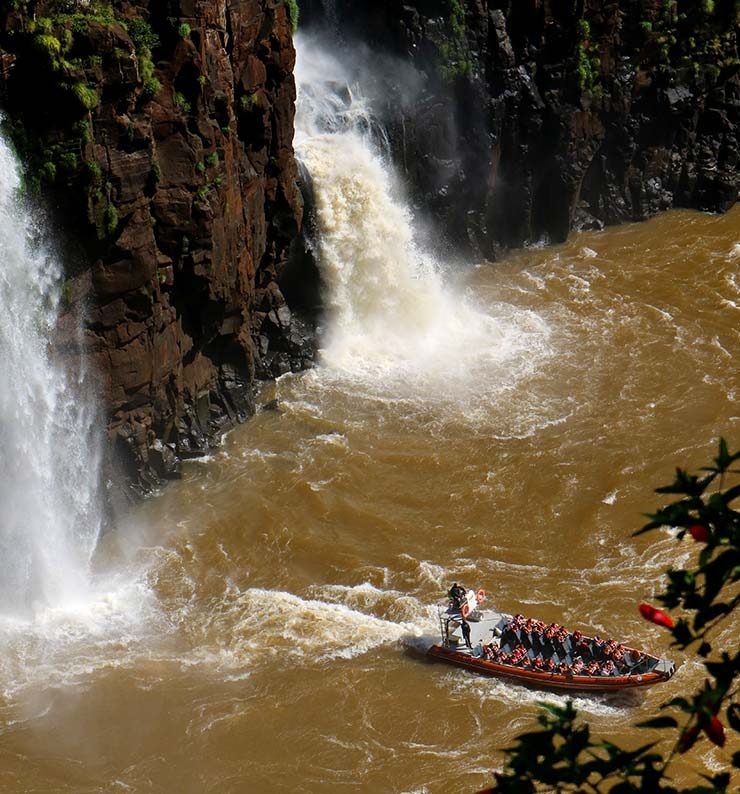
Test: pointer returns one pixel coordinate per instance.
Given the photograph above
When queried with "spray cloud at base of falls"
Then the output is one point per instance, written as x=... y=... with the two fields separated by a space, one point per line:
x=49 y=458
x=392 y=313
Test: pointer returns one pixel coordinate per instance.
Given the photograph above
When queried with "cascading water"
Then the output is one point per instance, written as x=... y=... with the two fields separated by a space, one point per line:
x=49 y=514
x=391 y=315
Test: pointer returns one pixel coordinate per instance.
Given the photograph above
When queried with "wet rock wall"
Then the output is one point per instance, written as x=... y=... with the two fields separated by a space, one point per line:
x=529 y=118
x=158 y=135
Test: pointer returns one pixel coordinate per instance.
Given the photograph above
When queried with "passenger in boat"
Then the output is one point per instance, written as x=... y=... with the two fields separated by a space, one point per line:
x=581 y=644
x=538 y=663
x=608 y=668
x=577 y=665
x=518 y=654
x=563 y=668
x=465 y=626
x=550 y=664
x=592 y=668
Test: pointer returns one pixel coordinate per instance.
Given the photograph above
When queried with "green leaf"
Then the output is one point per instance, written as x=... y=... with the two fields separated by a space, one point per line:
x=658 y=722
x=730 y=494
x=704 y=649
x=733 y=716
x=724 y=459
x=680 y=703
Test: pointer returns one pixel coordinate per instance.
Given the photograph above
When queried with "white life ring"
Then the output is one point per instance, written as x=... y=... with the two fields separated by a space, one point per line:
x=480 y=596
x=465 y=610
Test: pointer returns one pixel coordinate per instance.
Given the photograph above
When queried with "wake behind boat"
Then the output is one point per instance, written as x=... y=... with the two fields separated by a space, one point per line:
x=530 y=651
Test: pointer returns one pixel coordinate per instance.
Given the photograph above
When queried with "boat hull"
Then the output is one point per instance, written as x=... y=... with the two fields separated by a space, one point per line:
x=546 y=679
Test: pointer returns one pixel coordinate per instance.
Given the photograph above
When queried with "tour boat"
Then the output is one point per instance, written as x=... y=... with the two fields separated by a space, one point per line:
x=532 y=652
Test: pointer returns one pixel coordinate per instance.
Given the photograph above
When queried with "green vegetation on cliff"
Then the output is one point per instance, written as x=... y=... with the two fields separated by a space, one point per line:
x=66 y=54
x=293 y=13
x=454 y=61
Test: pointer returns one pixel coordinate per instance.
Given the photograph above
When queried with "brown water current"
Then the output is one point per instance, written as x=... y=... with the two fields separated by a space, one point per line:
x=254 y=626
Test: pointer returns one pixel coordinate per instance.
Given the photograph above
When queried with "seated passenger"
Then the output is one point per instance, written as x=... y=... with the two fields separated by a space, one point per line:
x=577 y=665
x=538 y=663
x=592 y=668
x=518 y=654
x=550 y=664
x=563 y=668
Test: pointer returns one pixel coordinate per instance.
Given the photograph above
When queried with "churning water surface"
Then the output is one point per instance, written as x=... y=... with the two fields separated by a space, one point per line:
x=502 y=424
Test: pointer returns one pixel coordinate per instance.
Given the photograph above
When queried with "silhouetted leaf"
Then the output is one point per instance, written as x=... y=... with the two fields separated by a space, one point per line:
x=658 y=722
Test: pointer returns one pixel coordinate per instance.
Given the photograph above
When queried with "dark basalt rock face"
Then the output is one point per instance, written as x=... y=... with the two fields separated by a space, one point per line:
x=529 y=118
x=160 y=133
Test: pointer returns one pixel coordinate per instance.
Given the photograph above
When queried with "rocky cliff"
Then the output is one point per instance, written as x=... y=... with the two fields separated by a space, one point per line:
x=528 y=118
x=160 y=135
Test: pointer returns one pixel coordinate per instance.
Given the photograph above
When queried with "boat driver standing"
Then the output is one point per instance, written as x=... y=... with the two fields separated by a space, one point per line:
x=466 y=633
x=457 y=595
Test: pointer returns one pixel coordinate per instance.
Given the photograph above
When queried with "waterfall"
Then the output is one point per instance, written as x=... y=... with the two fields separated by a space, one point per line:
x=49 y=512
x=391 y=310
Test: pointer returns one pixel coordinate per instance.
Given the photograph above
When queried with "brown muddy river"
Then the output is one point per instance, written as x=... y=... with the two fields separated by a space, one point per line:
x=253 y=627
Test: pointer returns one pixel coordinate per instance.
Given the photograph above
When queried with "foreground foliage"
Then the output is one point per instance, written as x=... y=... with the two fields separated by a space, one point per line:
x=562 y=755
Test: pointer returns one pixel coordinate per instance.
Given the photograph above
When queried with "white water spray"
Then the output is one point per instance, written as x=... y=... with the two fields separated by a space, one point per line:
x=49 y=514
x=390 y=313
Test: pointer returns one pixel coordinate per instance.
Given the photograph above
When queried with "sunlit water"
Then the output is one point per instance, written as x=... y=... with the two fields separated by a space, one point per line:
x=49 y=517
x=259 y=625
